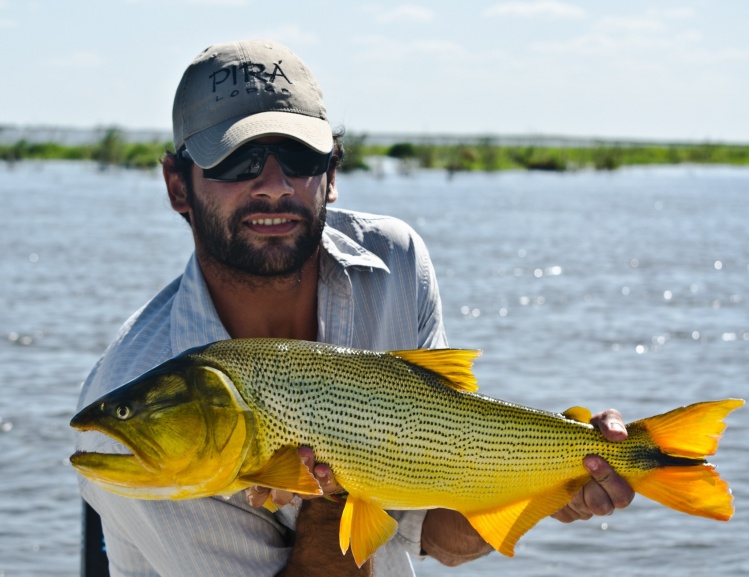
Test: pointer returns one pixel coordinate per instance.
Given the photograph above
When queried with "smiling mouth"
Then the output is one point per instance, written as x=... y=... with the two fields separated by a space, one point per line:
x=273 y=226
x=269 y=221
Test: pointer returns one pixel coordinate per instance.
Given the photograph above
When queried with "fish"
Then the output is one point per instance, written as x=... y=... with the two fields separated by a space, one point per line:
x=401 y=430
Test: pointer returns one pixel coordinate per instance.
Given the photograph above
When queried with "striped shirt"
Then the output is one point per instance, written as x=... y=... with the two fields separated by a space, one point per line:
x=376 y=290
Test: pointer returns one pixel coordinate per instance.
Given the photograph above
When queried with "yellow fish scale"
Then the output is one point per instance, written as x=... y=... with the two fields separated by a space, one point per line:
x=393 y=431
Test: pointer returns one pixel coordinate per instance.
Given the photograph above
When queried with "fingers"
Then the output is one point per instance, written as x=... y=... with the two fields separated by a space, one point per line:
x=327 y=481
x=307 y=456
x=575 y=510
x=257 y=495
x=604 y=493
x=320 y=471
x=611 y=424
x=609 y=490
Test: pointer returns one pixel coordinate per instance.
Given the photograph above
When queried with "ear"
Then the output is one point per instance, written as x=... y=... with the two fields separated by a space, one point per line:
x=331 y=191
x=175 y=186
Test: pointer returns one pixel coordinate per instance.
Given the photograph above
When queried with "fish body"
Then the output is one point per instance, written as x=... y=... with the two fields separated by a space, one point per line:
x=400 y=430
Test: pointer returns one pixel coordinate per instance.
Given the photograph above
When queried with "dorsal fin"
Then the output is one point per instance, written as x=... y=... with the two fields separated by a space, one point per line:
x=580 y=414
x=452 y=365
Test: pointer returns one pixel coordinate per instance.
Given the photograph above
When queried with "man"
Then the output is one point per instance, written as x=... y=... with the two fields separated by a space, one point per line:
x=253 y=174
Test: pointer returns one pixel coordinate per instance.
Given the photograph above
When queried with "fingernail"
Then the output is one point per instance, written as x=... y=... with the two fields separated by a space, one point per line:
x=592 y=465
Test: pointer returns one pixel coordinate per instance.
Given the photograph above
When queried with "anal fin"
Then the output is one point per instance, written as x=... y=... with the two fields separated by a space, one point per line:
x=365 y=526
x=501 y=527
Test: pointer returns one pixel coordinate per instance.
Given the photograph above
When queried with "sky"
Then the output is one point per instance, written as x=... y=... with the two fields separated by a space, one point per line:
x=651 y=70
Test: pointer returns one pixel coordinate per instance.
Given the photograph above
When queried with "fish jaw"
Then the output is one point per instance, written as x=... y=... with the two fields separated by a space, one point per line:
x=121 y=474
x=186 y=425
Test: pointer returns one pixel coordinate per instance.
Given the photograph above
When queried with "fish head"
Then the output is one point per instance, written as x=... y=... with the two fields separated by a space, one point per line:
x=186 y=424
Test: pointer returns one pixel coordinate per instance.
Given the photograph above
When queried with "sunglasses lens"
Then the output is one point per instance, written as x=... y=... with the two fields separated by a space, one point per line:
x=244 y=164
x=247 y=162
x=302 y=161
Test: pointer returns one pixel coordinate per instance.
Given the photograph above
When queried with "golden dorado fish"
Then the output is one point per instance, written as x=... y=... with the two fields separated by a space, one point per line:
x=400 y=430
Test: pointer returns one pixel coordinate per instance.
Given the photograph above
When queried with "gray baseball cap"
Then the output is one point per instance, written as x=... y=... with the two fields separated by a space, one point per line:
x=234 y=92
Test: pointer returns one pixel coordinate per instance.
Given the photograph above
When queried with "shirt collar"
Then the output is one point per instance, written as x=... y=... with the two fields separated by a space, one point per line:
x=194 y=320
x=349 y=253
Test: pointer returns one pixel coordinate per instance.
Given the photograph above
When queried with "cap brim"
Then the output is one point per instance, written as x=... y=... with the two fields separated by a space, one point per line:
x=210 y=146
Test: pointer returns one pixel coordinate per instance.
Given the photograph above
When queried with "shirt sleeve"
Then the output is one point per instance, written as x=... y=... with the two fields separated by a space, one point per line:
x=190 y=538
x=409 y=530
x=431 y=328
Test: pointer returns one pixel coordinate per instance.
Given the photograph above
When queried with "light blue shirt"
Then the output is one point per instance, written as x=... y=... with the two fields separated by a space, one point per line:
x=377 y=290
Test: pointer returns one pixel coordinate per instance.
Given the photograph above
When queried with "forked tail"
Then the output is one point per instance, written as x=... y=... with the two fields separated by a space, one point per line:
x=674 y=472
x=682 y=478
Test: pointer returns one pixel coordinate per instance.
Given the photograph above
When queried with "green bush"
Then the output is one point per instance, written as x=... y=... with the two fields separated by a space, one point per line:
x=402 y=150
x=354 y=151
x=482 y=154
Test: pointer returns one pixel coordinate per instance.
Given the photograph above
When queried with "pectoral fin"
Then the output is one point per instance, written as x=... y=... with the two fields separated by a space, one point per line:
x=503 y=526
x=366 y=527
x=284 y=470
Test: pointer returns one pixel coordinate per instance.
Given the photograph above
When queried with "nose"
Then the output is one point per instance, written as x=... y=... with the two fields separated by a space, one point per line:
x=271 y=183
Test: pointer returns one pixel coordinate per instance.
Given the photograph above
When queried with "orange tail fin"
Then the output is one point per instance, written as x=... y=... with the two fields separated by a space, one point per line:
x=689 y=433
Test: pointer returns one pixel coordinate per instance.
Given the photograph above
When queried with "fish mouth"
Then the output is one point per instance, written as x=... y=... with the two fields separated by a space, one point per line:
x=120 y=473
x=92 y=461
x=146 y=453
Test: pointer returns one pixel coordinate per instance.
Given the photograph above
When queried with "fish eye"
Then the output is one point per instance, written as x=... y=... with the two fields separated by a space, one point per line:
x=123 y=412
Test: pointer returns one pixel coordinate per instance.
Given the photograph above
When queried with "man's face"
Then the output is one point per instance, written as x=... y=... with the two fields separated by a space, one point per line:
x=267 y=226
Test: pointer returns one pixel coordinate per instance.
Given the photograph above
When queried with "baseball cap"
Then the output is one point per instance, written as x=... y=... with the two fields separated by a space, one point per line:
x=237 y=91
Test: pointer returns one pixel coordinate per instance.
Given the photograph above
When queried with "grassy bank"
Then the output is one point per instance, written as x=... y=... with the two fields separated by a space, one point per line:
x=480 y=154
x=487 y=156
x=112 y=149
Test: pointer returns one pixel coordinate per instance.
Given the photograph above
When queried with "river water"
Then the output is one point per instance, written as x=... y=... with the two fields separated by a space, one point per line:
x=627 y=289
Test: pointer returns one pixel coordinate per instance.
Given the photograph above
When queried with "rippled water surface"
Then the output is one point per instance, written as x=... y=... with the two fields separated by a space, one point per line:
x=628 y=289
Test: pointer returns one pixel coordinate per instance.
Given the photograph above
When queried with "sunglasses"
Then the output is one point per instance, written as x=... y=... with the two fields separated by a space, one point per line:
x=247 y=162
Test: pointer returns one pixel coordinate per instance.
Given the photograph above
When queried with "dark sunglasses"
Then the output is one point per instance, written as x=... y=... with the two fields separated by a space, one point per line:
x=248 y=161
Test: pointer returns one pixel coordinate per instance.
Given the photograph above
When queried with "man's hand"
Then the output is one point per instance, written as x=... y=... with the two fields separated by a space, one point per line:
x=606 y=491
x=256 y=495
x=316 y=551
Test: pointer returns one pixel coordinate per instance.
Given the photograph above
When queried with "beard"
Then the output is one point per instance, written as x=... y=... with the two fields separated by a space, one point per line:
x=270 y=257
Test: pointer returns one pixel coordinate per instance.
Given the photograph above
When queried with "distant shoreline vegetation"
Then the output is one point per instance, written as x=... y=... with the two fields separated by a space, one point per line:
x=471 y=154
